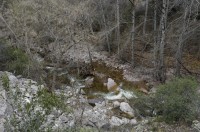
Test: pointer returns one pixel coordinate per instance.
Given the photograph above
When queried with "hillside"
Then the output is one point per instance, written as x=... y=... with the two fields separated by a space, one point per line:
x=100 y=65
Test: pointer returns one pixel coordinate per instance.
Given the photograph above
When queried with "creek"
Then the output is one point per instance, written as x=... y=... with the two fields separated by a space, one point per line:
x=97 y=80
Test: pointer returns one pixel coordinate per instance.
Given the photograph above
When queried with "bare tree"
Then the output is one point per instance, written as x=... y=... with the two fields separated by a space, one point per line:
x=118 y=27
x=133 y=35
x=160 y=66
x=155 y=35
x=145 y=17
x=185 y=20
x=105 y=26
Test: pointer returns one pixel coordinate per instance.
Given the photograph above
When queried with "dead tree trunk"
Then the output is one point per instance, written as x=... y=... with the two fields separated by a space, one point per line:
x=179 y=52
x=160 y=68
x=118 y=28
x=155 y=35
x=133 y=37
x=105 y=26
x=145 y=17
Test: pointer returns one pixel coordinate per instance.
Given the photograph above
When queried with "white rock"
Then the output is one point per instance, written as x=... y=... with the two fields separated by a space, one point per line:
x=71 y=123
x=34 y=89
x=89 y=81
x=133 y=121
x=82 y=92
x=97 y=115
x=50 y=118
x=111 y=83
x=153 y=90
x=112 y=96
x=12 y=80
x=115 y=121
x=125 y=107
x=27 y=100
x=63 y=118
x=196 y=125
x=3 y=104
x=125 y=120
x=27 y=95
x=116 y=104
x=3 y=108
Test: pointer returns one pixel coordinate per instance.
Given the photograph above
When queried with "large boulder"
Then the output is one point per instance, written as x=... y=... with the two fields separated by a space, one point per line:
x=125 y=107
x=96 y=116
x=115 y=121
x=3 y=107
x=112 y=85
x=196 y=126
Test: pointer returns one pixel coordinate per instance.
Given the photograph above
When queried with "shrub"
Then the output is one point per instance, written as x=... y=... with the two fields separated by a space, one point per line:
x=144 y=105
x=177 y=100
x=5 y=81
x=50 y=100
x=17 y=60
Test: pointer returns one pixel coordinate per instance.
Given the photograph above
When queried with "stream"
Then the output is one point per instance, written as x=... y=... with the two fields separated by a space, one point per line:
x=96 y=83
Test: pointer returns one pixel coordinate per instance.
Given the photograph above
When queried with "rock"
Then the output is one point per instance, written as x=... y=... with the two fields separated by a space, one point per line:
x=3 y=108
x=63 y=118
x=71 y=123
x=144 y=90
x=115 y=121
x=50 y=117
x=116 y=104
x=112 y=85
x=153 y=90
x=142 y=126
x=97 y=115
x=34 y=89
x=196 y=125
x=106 y=127
x=12 y=80
x=89 y=81
x=133 y=121
x=128 y=94
x=125 y=120
x=94 y=101
x=82 y=92
x=125 y=107
x=113 y=96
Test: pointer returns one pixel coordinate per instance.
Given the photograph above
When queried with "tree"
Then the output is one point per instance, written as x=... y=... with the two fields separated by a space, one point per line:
x=105 y=26
x=118 y=27
x=145 y=17
x=179 y=53
x=160 y=66
x=133 y=35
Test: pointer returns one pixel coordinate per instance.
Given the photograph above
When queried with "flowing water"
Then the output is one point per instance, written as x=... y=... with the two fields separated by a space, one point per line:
x=97 y=89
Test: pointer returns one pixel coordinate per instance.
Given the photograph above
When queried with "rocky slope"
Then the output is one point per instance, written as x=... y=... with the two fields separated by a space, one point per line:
x=22 y=109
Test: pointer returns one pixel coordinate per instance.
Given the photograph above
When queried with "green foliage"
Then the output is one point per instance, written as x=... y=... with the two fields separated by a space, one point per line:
x=177 y=100
x=144 y=105
x=17 y=60
x=49 y=100
x=5 y=81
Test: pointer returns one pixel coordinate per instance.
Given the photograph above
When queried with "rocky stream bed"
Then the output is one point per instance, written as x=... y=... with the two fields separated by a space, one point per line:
x=22 y=109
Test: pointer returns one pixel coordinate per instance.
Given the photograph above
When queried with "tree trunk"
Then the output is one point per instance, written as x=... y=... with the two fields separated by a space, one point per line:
x=118 y=29
x=145 y=17
x=105 y=26
x=133 y=37
x=155 y=36
x=179 y=52
x=160 y=69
